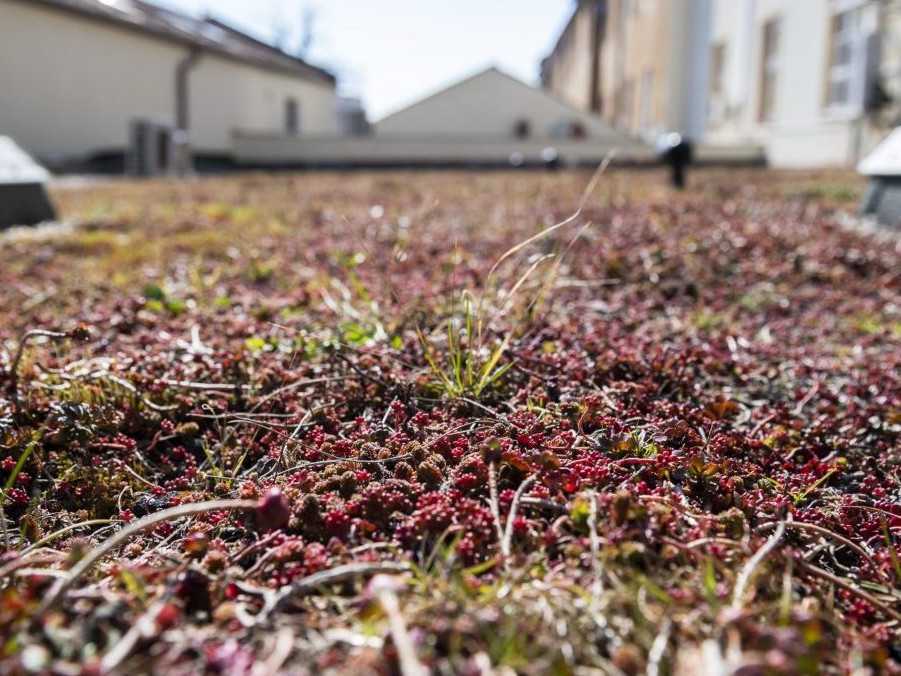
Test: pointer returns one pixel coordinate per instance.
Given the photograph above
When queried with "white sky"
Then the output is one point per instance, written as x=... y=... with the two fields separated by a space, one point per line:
x=393 y=52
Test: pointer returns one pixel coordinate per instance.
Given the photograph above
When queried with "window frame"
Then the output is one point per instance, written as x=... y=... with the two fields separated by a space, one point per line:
x=771 y=31
x=852 y=73
x=291 y=118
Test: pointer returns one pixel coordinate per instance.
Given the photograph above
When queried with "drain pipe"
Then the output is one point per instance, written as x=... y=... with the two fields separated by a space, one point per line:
x=184 y=163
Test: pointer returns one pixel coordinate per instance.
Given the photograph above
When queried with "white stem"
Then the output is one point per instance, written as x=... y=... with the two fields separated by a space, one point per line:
x=744 y=577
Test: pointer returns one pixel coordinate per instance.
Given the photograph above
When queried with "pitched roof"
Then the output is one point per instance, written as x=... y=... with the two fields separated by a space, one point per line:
x=206 y=34
x=493 y=108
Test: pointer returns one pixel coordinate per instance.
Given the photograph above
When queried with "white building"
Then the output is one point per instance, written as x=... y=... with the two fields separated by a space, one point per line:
x=810 y=82
x=75 y=75
x=487 y=119
x=801 y=78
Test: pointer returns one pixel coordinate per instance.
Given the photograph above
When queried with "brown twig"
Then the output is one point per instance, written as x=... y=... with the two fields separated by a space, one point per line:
x=854 y=589
x=813 y=528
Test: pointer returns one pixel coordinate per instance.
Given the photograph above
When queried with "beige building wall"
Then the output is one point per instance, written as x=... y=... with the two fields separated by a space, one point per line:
x=71 y=87
x=653 y=73
x=569 y=70
x=227 y=96
x=652 y=64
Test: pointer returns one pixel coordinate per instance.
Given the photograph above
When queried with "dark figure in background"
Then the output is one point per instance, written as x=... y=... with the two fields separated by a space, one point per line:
x=678 y=153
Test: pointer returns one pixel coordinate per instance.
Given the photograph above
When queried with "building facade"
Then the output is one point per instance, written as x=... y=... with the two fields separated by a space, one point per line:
x=654 y=66
x=77 y=74
x=810 y=82
x=641 y=64
x=487 y=119
x=572 y=72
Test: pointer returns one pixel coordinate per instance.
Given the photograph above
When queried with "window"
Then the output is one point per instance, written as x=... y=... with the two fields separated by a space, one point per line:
x=769 y=69
x=717 y=68
x=522 y=129
x=632 y=7
x=646 y=105
x=844 y=59
x=717 y=101
x=292 y=117
x=625 y=105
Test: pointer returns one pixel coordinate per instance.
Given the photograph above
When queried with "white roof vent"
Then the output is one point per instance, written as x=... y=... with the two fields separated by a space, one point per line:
x=885 y=160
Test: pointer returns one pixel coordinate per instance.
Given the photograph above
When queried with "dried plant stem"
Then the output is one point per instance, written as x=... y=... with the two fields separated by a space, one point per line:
x=144 y=626
x=598 y=586
x=825 y=532
x=67 y=529
x=586 y=195
x=20 y=351
x=281 y=650
x=658 y=648
x=744 y=577
x=507 y=540
x=24 y=560
x=853 y=588
x=331 y=576
x=204 y=387
x=406 y=651
x=60 y=586
x=494 y=505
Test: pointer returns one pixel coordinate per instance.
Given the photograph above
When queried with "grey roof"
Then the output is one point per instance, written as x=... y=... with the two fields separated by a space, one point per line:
x=17 y=167
x=885 y=159
x=205 y=34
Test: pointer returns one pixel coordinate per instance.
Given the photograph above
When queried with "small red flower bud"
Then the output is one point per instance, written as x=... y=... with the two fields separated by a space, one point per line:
x=273 y=511
x=167 y=616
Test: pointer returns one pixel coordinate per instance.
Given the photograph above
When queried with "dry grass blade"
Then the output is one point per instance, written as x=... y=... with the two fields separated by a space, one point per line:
x=747 y=572
x=853 y=588
x=507 y=540
x=332 y=576
x=592 y=184
x=384 y=589
x=494 y=505
x=59 y=588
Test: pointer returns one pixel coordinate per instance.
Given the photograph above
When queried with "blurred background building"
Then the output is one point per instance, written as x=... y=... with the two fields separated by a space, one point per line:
x=126 y=85
x=91 y=84
x=487 y=119
x=811 y=82
x=639 y=64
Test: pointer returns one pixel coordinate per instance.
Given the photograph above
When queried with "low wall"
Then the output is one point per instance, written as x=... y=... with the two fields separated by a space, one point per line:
x=267 y=150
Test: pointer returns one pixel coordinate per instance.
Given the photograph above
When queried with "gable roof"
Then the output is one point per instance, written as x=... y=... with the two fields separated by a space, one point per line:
x=206 y=34
x=535 y=102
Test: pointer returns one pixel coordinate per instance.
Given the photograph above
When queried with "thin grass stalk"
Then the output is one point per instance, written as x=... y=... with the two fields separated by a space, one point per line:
x=61 y=586
x=744 y=577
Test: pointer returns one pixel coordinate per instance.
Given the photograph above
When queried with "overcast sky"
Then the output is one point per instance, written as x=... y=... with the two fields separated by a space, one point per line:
x=392 y=52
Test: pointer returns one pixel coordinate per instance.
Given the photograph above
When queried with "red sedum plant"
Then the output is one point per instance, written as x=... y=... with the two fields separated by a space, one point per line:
x=661 y=438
